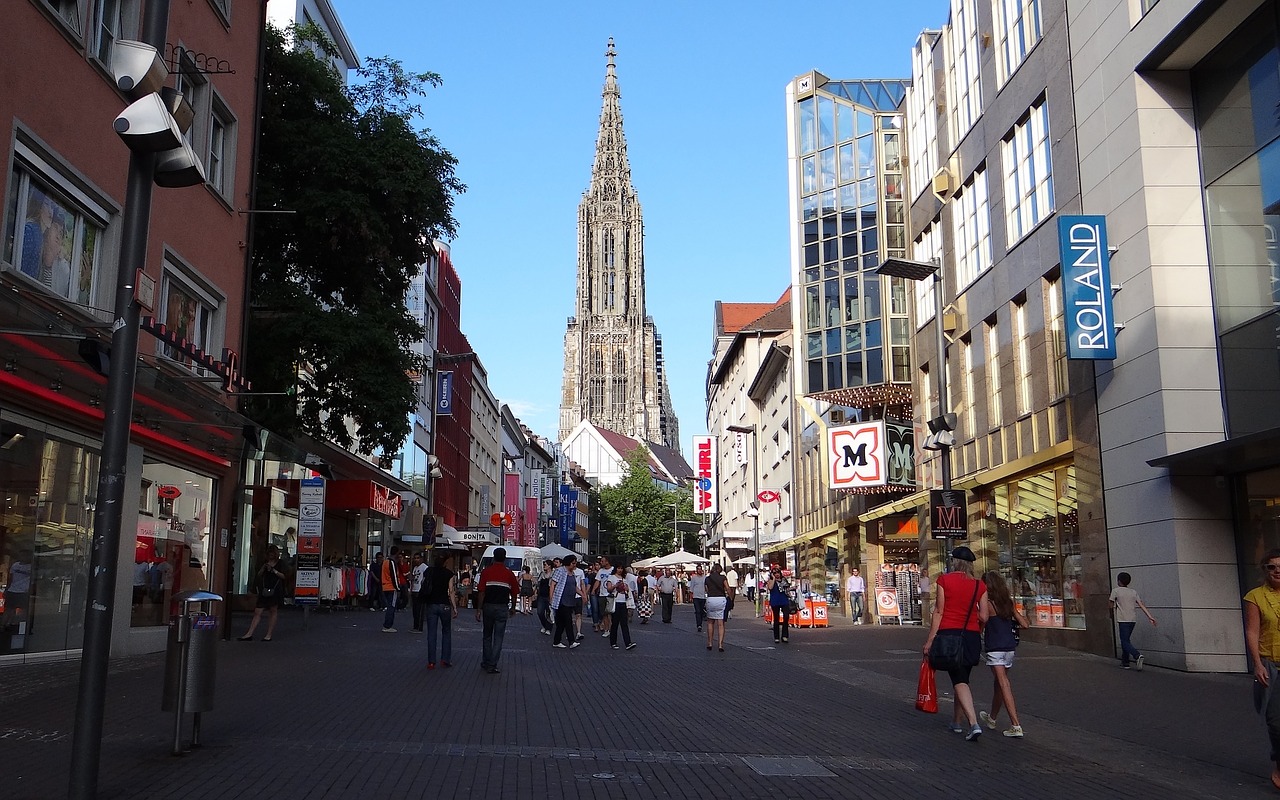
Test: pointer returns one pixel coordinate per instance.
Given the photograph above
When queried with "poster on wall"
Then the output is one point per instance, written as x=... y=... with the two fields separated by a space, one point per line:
x=306 y=589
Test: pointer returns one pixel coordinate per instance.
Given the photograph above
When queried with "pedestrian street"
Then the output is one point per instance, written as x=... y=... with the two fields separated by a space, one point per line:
x=341 y=709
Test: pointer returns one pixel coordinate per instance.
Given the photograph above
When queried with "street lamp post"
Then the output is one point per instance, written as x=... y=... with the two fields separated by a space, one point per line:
x=941 y=437
x=754 y=511
x=941 y=426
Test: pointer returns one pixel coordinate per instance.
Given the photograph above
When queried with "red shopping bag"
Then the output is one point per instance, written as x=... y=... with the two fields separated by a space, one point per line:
x=927 y=689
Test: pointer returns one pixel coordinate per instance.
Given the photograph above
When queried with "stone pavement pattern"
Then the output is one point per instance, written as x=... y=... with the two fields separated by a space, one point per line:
x=342 y=710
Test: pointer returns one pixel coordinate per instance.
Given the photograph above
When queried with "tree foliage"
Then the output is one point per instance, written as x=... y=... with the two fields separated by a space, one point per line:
x=367 y=194
x=638 y=512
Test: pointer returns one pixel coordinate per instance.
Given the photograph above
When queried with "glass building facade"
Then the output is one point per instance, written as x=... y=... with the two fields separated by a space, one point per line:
x=848 y=144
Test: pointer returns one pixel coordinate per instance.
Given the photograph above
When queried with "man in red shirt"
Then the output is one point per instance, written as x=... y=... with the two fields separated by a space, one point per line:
x=498 y=591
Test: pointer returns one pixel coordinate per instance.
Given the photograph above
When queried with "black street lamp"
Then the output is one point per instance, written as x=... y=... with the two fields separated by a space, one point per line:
x=941 y=437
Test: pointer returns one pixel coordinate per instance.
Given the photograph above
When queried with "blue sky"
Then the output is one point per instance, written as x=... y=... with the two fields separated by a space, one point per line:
x=703 y=106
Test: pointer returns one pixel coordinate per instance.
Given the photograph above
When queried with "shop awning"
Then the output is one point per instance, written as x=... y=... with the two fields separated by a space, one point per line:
x=773 y=547
x=987 y=477
x=1228 y=457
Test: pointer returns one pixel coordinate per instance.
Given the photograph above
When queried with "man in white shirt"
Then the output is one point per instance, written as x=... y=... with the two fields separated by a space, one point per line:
x=416 y=576
x=856 y=587
x=604 y=603
x=698 y=590
x=667 y=591
x=732 y=577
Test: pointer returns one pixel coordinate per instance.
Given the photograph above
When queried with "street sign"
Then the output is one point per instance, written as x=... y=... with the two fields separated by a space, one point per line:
x=311 y=504
x=768 y=496
x=499 y=520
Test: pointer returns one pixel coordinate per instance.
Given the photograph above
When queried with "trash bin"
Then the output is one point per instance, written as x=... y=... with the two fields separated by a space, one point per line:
x=191 y=660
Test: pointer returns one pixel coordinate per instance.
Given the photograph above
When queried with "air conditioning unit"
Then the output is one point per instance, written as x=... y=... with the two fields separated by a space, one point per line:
x=837 y=416
x=944 y=184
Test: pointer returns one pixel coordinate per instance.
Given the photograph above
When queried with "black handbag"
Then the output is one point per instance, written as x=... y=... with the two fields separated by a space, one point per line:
x=947 y=651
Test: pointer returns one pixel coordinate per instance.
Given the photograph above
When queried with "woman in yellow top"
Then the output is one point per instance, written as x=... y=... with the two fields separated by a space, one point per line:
x=1262 y=636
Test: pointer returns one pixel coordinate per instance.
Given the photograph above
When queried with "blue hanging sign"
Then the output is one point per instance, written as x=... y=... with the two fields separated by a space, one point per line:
x=568 y=515
x=444 y=394
x=1086 y=287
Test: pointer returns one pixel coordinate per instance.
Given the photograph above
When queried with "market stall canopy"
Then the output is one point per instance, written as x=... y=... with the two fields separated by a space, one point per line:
x=679 y=558
x=554 y=550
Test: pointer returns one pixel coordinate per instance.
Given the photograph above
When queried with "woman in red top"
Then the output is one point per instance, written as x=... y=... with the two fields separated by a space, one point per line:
x=958 y=606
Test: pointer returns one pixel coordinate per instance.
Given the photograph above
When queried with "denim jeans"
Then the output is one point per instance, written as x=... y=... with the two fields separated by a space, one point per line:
x=440 y=616
x=389 y=616
x=494 y=618
x=1127 y=650
x=544 y=612
x=855 y=601
x=699 y=610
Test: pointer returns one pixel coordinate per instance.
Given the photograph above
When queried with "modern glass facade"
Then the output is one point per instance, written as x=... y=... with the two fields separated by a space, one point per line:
x=1237 y=91
x=849 y=155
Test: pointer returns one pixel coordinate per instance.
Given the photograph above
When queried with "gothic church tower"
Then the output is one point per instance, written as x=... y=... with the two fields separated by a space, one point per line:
x=613 y=366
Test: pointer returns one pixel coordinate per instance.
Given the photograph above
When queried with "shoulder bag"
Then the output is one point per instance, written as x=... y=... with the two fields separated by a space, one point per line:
x=947 y=650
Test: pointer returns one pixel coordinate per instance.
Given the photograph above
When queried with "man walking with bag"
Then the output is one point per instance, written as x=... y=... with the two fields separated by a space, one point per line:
x=391 y=586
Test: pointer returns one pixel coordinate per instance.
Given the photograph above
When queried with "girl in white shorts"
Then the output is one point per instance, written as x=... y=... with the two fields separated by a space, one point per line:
x=1000 y=640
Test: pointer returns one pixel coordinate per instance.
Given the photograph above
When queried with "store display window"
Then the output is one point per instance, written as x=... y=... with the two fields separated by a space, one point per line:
x=172 y=547
x=48 y=479
x=1037 y=544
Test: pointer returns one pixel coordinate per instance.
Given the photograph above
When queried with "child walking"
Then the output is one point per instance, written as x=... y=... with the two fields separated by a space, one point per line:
x=1001 y=640
x=1124 y=606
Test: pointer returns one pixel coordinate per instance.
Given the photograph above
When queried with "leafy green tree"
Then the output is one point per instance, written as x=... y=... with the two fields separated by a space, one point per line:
x=366 y=194
x=637 y=512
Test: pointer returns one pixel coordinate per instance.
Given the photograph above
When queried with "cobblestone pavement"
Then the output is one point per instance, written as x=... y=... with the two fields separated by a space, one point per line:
x=339 y=709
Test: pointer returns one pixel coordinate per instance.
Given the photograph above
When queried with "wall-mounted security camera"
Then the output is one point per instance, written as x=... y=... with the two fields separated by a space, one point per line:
x=178 y=167
x=137 y=67
x=147 y=127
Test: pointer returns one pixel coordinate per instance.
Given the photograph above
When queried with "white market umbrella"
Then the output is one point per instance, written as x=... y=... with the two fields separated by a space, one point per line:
x=554 y=550
x=643 y=563
x=679 y=558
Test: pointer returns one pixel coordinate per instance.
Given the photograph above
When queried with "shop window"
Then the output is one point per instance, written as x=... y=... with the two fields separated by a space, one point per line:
x=963 y=70
x=922 y=117
x=172 y=548
x=55 y=232
x=995 y=415
x=1055 y=335
x=1038 y=546
x=45 y=519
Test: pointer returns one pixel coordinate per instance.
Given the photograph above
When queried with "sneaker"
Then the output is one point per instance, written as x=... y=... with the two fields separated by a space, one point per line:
x=699 y=629
x=575 y=644
x=615 y=647
x=1015 y=732
x=972 y=735
x=987 y=720
x=547 y=632
x=955 y=728
x=431 y=665
x=416 y=630
x=631 y=646
x=1125 y=666
x=604 y=635
x=777 y=641
x=561 y=645
x=580 y=637
x=493 y=670
x=785 y=639
x=388 y=630
x=1138 y=665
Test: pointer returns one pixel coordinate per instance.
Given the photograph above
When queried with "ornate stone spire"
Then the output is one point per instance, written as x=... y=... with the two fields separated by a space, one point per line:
x=610 y=172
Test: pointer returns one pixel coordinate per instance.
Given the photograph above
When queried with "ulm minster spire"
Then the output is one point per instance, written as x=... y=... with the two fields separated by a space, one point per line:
x=614 y=375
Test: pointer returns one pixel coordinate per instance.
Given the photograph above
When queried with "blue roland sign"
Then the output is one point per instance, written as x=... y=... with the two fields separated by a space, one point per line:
x=1086 y=287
